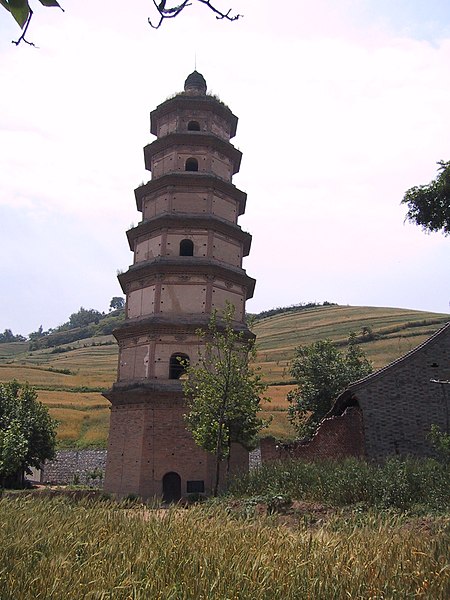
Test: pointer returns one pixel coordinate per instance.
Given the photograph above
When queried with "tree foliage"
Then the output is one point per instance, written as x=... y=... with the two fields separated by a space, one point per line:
x=8 y=336
x=27 y=432
x=84 y=317
x=429 y=205
x=322 y=371
x=117 y=303
x=223 y=391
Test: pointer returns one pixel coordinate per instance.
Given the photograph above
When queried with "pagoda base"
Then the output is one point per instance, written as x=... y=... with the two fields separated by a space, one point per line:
x=150 y=451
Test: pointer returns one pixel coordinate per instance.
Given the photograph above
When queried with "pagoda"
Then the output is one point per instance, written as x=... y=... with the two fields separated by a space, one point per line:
x=188 y=251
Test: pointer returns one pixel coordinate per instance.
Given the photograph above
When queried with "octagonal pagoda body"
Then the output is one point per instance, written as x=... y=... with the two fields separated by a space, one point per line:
x=188 y=252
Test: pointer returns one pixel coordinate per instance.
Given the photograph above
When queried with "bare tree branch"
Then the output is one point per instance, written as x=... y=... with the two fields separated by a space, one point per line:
x=170 y=13
x=22 y=37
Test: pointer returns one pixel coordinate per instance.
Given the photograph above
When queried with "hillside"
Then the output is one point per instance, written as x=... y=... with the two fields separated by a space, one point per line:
x=71 y=377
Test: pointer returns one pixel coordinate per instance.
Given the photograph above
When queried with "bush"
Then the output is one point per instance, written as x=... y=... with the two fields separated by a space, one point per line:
x=398 y=483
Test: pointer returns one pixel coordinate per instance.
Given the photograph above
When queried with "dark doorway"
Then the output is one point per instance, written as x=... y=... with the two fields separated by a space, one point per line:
x=171 y=487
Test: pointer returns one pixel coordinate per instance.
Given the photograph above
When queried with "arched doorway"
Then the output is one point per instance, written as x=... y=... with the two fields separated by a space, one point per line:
x=171 y=487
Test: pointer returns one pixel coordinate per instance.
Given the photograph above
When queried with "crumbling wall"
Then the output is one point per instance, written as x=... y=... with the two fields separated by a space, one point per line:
x=336 y=438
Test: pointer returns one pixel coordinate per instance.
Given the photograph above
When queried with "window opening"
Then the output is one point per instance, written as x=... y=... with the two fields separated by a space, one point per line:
x=177 y=365
x=186 y=248
x=191 y=164
x=193 y=126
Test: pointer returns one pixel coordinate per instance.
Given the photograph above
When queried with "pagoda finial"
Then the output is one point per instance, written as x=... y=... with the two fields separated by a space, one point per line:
x=195 y=84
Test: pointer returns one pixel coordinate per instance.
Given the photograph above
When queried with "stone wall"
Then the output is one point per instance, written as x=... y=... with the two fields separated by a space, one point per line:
x=336 y=438
x=401 y=402
x=75 y=466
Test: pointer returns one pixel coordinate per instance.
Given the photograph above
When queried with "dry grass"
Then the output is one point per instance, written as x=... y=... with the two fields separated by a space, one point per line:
x=64 y=399
x=279 y=335
x=55 y=549
x=82 y=428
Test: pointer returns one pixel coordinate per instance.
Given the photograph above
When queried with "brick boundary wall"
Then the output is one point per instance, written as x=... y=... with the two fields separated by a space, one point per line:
x=75 y=466
x=336 y=438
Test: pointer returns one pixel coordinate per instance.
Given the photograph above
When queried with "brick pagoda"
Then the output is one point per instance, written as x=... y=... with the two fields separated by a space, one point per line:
x=188 y=252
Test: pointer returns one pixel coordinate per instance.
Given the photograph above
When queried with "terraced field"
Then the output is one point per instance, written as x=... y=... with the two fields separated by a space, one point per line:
x=70 y=378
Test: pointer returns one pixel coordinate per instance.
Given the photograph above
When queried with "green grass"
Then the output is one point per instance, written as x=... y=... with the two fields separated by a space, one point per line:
x=396 y=483
x=85 y=366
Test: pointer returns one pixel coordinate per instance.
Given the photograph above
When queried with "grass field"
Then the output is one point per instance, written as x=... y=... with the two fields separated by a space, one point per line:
x=55 y=548
x=71 y=381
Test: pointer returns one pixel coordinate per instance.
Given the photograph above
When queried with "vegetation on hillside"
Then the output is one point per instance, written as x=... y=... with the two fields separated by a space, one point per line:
x=83 y=324
x=7 y=337
x=71 y=376
x=280 y=310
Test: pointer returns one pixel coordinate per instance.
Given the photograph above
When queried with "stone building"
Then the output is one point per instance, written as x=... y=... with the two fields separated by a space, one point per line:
x=389 y=412
x=188 y=252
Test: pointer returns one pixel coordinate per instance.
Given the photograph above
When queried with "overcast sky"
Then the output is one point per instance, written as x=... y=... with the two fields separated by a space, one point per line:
x=343 y=105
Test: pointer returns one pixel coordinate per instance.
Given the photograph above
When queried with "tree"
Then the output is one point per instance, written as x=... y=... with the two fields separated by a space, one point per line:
x=170 y=12
x=27 y=432
x=22 y=13
x=429 y=205
x=223 y=391
x=117 y=303
x=84 y=317
x=322 y=371
x=8 y=336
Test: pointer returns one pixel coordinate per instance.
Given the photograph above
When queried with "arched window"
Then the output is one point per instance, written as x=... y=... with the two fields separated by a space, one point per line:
x=191 y=164
x=193 y=126
x=186 y=248
x=177 y=365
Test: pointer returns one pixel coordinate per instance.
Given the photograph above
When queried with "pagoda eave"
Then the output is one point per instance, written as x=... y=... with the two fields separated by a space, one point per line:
x=184 y=102
x=187 y=265
x=210 y=222
x=160 y=324
x=183 y=140
x=185 y=180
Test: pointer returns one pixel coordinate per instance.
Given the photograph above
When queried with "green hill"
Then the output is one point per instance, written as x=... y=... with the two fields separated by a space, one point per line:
x=70 y=377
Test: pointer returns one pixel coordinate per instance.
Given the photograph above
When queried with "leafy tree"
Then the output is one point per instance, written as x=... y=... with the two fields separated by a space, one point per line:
x=117 y=303
x=429 y=205
x=35 y=335
x=27 y=432
x=322 y=371
x=223 y=391
x=8 y=336
x=84 y=317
